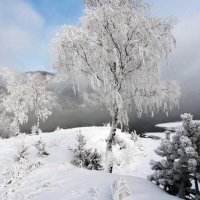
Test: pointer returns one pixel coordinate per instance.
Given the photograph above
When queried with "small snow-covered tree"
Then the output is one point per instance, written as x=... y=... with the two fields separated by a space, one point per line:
x=164 y=173
x=87 y=158
x=17 y=101
x=79 y=151
x=120 y=190
x=41 y=147
x=35 y=129
x=118 y=48
x=41 y=99
x=181 y=166
x=95 y=193
x=95 y=161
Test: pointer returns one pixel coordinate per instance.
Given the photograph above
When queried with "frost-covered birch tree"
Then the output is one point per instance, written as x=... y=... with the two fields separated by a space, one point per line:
x=118 y=48
x=41 y=99
x=16 y=102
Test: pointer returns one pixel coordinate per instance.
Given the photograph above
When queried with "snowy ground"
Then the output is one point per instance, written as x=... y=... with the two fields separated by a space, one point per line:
x=55 y=178
x=172 y=125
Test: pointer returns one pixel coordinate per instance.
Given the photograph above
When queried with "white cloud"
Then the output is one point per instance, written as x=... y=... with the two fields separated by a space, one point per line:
x=185 y=60
x=21 y=30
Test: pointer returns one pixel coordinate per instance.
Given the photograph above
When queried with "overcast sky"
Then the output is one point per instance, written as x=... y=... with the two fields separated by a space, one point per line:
x=26 y=26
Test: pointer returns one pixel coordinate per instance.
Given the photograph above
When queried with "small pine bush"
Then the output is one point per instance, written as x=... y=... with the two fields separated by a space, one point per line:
x=179 y=171
x=86 y=157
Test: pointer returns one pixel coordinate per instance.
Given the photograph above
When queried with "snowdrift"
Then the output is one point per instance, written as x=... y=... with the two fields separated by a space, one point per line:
x=53 y=177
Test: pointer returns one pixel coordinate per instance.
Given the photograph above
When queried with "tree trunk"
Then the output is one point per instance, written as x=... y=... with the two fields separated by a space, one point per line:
x=38 y=122
x=17 y=128
x=196 y=185
x=110 y=140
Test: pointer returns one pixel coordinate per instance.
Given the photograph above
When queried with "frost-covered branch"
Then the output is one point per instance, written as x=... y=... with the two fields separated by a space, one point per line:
x=118 y=48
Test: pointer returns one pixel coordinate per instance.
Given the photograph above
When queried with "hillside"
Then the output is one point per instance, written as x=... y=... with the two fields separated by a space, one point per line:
x=54 y=177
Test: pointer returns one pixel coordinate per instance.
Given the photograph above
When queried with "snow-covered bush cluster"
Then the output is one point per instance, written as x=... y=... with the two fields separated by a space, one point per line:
x=179 y=172
x=86 y=158
x=119 y=191
x=137 y=139
x=35 y=130
x=41 y=147
x=16 y=173
x=95 y=194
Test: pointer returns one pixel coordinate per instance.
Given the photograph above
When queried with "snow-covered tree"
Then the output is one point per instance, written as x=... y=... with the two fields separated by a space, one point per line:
x=79 y=151
x=17 y=101
x=164 y=172
x=181 y=164
x=41 y=147
x=118 y=48
x=84 y=157
x=120 y=190
x=95 y=194
x=5 y=126
x=41 y=99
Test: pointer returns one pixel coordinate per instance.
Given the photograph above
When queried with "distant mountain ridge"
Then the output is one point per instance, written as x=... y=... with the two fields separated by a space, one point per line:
x=44 y=73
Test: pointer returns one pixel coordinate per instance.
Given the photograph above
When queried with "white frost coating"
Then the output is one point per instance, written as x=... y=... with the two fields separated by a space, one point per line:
x=5 y=126
x=72 y=183
x=178 y=172
x=41 y=99
x=95 y=193
x=26 y=94
x=16 y=101
x=118 y=47
x=120 y=190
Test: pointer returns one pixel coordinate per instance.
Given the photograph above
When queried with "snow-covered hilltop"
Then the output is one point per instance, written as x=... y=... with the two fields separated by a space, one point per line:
x=54 y=177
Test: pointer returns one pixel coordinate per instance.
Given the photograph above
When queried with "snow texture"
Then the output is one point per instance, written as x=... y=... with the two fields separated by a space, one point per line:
x=54 y=177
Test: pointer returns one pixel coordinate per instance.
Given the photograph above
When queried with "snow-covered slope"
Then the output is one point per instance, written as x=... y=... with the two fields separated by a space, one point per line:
x=172 y=125
x=53 y=177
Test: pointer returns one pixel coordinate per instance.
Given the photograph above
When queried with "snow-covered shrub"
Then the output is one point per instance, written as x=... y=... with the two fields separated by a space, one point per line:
x=40 y=146
x=95 y=161
x=120 y=190
x=15 y=174
x=35 y=130
x=134 y=136
x=124 y=150
x=5 y=126
x=86 y=157
x=22 y=152
x=58 y=128
x=119 y=141
x=79 y=151
x=180 y=167
x=95 y=194
x=106 y=124
x=137 y=139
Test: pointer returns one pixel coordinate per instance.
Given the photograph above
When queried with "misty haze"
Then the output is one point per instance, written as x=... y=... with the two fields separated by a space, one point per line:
x=99 y=99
